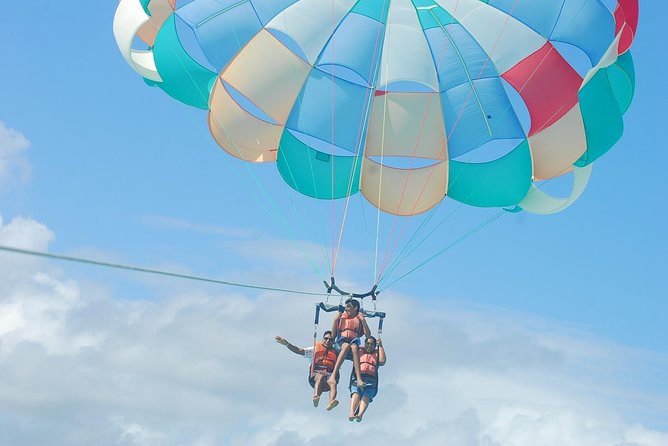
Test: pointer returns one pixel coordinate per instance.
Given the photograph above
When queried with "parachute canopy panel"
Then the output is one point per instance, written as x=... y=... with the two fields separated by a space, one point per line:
x=398 y=98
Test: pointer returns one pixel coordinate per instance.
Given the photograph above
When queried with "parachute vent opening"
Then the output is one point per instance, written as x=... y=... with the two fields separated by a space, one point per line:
x=343 y=73
x=490 y=151
x=138 y=44
x=406 y=86
x=575 y=57
x=404 y=162
x=325 y=149
x=247 y=104
x=517 y=107
x=559 y=186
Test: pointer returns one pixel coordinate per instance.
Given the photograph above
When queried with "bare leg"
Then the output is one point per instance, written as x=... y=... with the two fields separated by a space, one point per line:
x=356 y=365
x=363 y=406
x=332 y=391
x=339 y=360
x=317 y=389
x=354 y=405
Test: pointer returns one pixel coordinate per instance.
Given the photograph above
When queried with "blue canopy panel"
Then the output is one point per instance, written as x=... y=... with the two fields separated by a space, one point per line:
x=539 y=15
x=477 y=113
x=332 y=110
x=267 y=9
x=353 y=51
x=458 y=57
x=222 y=27
x=586 y=24
x=374 y=9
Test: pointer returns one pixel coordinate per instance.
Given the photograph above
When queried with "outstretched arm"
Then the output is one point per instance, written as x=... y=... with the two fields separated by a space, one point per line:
x=381 y=353
x=292 y=348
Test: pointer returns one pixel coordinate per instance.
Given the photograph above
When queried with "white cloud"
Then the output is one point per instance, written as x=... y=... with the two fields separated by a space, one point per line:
x=24 y=233
x=199 y=367
x=14 y=166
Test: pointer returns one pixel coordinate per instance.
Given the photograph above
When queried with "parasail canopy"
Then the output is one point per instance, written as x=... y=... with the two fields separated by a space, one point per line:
x=386 y=96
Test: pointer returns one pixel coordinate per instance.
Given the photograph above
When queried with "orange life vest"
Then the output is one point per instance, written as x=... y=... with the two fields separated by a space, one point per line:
x=349 y=327
x=368 y=363
x=324 y=358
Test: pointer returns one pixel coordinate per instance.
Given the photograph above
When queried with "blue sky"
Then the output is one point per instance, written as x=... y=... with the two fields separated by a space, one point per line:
x=97 y=164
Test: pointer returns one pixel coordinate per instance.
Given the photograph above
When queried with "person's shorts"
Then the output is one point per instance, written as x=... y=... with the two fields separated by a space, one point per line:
x=340 y=341
x=325 y=374
x=370 y=388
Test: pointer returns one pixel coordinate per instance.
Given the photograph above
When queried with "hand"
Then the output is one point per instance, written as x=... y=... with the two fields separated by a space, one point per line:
x=380 y=342
x=281 y=340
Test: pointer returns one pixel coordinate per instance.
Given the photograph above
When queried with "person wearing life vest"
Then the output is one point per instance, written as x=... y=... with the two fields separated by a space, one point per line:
x=370 y=359
x=323 y=357
x=348 y=327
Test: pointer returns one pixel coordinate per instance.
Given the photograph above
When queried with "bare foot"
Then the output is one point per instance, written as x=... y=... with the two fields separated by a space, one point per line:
x=332 y=404
x=316 y=400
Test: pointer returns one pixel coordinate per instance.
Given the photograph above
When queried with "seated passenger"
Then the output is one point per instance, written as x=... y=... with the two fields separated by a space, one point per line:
x=370 y=360
x=348 y=327
x=322 y=365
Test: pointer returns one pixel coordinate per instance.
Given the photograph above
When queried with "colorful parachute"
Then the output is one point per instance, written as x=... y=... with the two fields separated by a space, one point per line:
x=402 y=100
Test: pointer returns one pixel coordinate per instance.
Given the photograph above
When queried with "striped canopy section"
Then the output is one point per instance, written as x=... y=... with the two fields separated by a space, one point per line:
x=405 y=101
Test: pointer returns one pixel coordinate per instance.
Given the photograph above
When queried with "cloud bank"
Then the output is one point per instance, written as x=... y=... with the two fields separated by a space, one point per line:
x=201 y=368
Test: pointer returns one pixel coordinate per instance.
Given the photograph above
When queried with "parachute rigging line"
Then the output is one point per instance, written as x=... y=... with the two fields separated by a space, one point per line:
x=272 y=208
x=399 y=260
x=374 y=66
x=460 y=239
x=152 y=271
x=390 y=252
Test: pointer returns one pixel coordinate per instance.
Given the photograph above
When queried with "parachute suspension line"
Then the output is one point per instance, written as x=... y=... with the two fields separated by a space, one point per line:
x=322 y=226
x=465 y=236
x=271 y=209
x=360 y=134
x=390 y=252
x=408 y=250
x=298 y=214
x=333 y=142
x=448 y=247
x=366 y=227
x=350 y=185
x=380 y=177
x=263 y=198
x=151 y=271
x=302 y=228
x=472 y=92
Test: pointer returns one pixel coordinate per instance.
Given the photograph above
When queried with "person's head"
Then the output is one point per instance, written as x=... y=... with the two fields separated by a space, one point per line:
x=370 y=344
x=352 y=307
x=327 y=338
